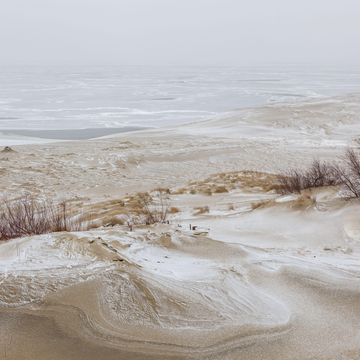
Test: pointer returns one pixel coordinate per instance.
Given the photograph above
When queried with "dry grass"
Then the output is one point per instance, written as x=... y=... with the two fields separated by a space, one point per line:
x=174 y=210
x=191 y=183
x=207 y=192
x=260 y=203
x=112 y=221
x=162 y=190
x=107 y=222
x=252 y=179
x=202 y=209
x=231 y=207
x=116 y=210
x=149 y=210
x=180 y=191
x=137 y=209
x=304 y=201
x=220 y=190
x=304 y=197
x=224 y=182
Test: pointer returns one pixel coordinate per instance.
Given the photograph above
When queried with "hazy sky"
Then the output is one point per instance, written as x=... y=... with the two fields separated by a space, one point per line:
x=180 y=31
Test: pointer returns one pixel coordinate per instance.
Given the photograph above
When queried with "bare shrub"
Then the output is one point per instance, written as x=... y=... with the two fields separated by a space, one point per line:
x=349 y=183
x=352 y=158
x=202 y=209
x=349 y=176
x=192 y=191
x=25 y=216
x=174 y=210
x=319 y=174
x=289 y=182
x=150 y=210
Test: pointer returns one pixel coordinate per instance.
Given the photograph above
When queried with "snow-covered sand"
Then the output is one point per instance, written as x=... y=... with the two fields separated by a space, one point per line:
x=277 y=281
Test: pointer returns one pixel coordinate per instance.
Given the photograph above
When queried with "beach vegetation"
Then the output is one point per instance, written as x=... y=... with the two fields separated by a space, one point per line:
x=225 y=182
x=150 y=209
x=162 y=190
x=220 y=189
x=345 y=175
x=318 y=174
x=25 y=216
x=348 y=176
x=207 y=192
x=112 y=221
x=180 y=191
x=201 y=209
x=260 y=203
x=174 y=210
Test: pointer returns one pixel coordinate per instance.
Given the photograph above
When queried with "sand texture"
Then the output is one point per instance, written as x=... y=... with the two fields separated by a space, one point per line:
x=277 y=279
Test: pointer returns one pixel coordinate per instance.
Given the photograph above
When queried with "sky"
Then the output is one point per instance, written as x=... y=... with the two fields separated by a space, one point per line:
x=180 y=31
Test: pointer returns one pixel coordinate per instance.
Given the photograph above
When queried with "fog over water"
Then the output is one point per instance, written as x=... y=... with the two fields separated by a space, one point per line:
x=90 y=64
x=180 y=31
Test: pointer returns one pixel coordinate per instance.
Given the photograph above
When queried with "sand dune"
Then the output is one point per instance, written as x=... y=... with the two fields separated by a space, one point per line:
x=274 y=281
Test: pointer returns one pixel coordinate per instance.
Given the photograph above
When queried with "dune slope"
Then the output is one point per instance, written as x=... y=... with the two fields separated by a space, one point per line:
x=277 y=279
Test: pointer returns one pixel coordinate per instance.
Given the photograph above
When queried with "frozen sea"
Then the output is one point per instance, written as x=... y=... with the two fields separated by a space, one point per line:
x=40 y=98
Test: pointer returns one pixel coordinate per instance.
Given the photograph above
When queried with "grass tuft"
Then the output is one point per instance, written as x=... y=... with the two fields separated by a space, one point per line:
x=202 y=209
x=260 y=203
x=220 y=190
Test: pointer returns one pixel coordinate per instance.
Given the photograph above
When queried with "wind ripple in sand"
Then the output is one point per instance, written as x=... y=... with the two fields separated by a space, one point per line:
x=155 y=289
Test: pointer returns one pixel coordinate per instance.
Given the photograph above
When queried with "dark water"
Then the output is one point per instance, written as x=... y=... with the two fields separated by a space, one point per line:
x=73 y=134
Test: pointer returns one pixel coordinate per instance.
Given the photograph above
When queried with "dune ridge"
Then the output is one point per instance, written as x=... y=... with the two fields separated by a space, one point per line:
x=274 y=280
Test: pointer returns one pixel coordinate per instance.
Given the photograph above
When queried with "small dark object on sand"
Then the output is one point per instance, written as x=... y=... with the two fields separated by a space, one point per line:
x=7 y=149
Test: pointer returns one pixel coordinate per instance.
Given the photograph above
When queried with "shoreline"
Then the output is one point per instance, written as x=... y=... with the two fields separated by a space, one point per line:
x=69 y=134
x=29 y=136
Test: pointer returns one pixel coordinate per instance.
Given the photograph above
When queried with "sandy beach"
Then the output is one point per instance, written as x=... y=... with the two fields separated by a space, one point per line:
x=262 y=276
